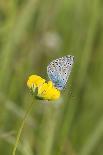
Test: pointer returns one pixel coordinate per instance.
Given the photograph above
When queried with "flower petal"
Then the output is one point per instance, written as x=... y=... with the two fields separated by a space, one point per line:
x=48 y=92
x=35 y=80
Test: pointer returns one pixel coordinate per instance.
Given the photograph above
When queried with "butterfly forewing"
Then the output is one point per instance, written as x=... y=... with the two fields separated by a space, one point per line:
x=59 y=70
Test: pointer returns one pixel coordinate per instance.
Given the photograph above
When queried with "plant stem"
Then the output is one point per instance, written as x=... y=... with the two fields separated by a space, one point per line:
x=21 y=128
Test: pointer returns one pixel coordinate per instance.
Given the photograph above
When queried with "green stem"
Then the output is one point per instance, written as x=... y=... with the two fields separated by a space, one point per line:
x=20 y=129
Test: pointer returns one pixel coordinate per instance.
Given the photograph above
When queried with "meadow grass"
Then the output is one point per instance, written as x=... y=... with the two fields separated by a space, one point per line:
x=32 y=33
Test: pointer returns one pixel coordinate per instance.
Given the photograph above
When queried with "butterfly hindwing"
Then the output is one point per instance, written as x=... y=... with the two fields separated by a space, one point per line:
x=59 y=70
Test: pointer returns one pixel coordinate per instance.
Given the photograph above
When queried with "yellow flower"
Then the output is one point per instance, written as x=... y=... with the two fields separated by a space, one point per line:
x=48 y=92
x=45 y=91
x=34 y=81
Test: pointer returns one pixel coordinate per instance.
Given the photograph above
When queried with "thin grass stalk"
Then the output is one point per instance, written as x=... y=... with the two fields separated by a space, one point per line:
x=21 y=128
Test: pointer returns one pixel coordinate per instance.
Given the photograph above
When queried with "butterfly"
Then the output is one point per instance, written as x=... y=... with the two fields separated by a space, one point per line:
x=59 y=70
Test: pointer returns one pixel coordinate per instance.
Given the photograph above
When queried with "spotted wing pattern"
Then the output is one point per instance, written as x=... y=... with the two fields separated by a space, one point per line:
x=59 y=70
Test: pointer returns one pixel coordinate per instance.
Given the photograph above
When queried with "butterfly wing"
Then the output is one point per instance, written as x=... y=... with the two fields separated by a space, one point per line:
x=59 y=70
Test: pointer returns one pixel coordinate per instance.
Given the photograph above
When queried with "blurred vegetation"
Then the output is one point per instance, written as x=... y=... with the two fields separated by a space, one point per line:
x=32 y=33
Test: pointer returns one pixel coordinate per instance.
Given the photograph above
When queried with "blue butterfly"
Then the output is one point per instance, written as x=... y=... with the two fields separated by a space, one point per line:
x=59 y=70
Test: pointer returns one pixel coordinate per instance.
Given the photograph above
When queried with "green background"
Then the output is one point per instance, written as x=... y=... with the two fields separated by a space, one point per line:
x=33 y=33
